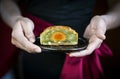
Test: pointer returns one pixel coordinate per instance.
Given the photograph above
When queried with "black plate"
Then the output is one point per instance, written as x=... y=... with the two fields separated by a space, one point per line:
x=82 y=44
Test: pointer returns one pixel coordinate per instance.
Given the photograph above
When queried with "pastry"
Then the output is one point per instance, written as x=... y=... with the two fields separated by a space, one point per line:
x=59 y=35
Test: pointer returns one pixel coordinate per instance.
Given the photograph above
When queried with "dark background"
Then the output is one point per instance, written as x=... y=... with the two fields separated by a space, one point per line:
x=111 y=65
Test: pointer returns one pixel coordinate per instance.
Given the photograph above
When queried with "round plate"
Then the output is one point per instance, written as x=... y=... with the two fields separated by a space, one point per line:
x=82 y=44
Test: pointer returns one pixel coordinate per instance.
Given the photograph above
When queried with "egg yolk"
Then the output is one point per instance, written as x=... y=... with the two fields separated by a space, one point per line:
x=58 y=36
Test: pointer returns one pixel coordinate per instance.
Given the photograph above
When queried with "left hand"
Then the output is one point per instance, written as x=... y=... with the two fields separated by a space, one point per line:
x=95 y=33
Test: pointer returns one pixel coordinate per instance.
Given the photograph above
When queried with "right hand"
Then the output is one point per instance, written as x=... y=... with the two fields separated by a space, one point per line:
x=23 y=36
x=95 y=33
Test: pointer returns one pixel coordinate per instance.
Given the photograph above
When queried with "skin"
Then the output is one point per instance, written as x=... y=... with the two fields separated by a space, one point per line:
x=23 y=36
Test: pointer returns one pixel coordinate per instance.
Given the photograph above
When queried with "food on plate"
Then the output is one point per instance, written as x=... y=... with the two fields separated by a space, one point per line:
x=59 y=35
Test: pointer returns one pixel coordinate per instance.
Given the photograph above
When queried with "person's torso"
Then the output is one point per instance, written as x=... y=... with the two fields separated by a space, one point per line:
x=74 y=13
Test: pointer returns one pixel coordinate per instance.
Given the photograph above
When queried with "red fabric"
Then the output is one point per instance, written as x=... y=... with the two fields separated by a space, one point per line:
x=87 y=67
x=7 y=50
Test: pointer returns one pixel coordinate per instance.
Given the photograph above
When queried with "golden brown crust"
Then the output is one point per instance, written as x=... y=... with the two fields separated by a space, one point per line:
x=59 y=27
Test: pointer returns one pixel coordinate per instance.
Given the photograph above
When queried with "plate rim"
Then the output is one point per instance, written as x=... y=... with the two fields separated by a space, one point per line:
x=48 y=49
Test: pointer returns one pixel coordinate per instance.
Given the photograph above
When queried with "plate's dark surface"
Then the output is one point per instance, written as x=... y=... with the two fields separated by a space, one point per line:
x=82 y=44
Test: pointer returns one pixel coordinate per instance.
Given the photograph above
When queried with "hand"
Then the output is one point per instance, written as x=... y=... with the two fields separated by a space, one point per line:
x=95 y=34
x=23 y=36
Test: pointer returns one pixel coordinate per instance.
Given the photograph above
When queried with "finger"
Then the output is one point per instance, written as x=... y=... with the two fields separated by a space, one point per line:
x=101 y=36
x=17 y=44
x=21 y=41
x=27 y=46
x=85 y=52
x=91 y=47
x=100 y=31
x=28 y=28
x=78 y=54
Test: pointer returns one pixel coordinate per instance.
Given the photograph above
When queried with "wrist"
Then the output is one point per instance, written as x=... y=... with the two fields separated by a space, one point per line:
x=110 y=21
x=15 y=19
